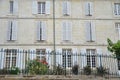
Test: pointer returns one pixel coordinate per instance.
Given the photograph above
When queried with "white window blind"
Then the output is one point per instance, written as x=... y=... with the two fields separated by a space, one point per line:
x=66 y=8
x=90 y=32
x=88 y=8
x=41 y=31
x=117 y=26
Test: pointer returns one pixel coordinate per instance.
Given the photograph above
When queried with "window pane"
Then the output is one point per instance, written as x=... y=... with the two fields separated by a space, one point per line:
x=11 y=6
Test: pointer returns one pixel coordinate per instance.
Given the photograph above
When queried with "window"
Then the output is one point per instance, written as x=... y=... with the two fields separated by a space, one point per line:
x=67 y=31
x=90 y=32
x=66 y=57
x=88 y=8
x=117 y=26
x=117 y=8
x=91 y=59
x=41 y=54
x=118 y=64
x=41 y=7
x=12 y=31
x=41 y=31
x=11 y=6
x=10 y=59
x=66 y=8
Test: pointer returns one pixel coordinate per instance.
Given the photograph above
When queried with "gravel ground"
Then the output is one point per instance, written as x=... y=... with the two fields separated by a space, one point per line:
x=57 y=77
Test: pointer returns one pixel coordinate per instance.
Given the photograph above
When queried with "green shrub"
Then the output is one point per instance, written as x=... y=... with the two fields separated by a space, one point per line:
x=36 y=67
x=101 y=71
x=87 y=70
x=14 y=70
x=75 y=69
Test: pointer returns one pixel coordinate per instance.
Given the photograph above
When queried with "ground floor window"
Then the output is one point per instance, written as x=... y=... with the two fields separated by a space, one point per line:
x=10 y=59
x=118 y=64
x=91 y=59
x=41 y=54
x=66 y=57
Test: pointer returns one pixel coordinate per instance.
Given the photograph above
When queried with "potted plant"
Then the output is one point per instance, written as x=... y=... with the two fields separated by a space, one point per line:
x=87 y=70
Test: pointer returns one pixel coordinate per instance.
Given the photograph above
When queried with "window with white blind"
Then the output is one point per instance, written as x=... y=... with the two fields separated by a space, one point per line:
x=41 y=54
x=40 y=7
x=91 y=59
x=67 y=31
x=10 y=59
x=41 y=31
x=66 y=8
x=12 y=31
x=90 y=32
x=88 y=8
x=66 y=57
x=117 y=8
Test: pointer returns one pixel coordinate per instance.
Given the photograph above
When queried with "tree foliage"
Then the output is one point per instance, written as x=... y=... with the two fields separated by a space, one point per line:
x=114 y=48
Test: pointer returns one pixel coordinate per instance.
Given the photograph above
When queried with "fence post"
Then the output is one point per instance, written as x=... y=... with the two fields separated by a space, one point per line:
x=65 y=64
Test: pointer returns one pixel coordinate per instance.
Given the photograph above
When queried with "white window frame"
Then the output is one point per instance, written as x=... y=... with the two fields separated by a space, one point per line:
x=89 y=8
x=12 y=54
x=91 y=58
x=40 y=54
x=67 y=53
x=11 y=7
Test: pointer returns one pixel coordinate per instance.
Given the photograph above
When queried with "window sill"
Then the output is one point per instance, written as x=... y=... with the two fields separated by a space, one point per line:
x=66 y=42
x=11 y=41
x=12 y=14
x=41 y=41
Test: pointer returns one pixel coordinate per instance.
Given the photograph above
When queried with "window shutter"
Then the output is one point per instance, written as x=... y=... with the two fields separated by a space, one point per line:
x=91 y=8
x=64 y=31
x=38 y=30
x=99 y=52
x=14 y=30
x=47 y=7
x=83 y=57
x=48 y=56
x=86 y=9
x=59 y=57
x=69 y=31
x=34 y=7
x=43 y=31
x=64 y=8
x=75 y=56
x=2 y=58
x=68 y=8
x=15 y=7
x=32 y=54
x=20 y=58
x=87 y=31
x=93 y=31
x=8 y=30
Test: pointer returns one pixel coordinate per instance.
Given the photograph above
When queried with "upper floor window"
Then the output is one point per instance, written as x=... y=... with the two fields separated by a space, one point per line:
x=66 y=8
x=90 y=32
x=41 y=7
x=117 y=8
x=88 y=8
x=41 y=31
x=117 y=26
x=12 y=31
x=13 y=7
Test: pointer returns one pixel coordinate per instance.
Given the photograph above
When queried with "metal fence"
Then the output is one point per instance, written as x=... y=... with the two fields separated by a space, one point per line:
x=28 y=62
